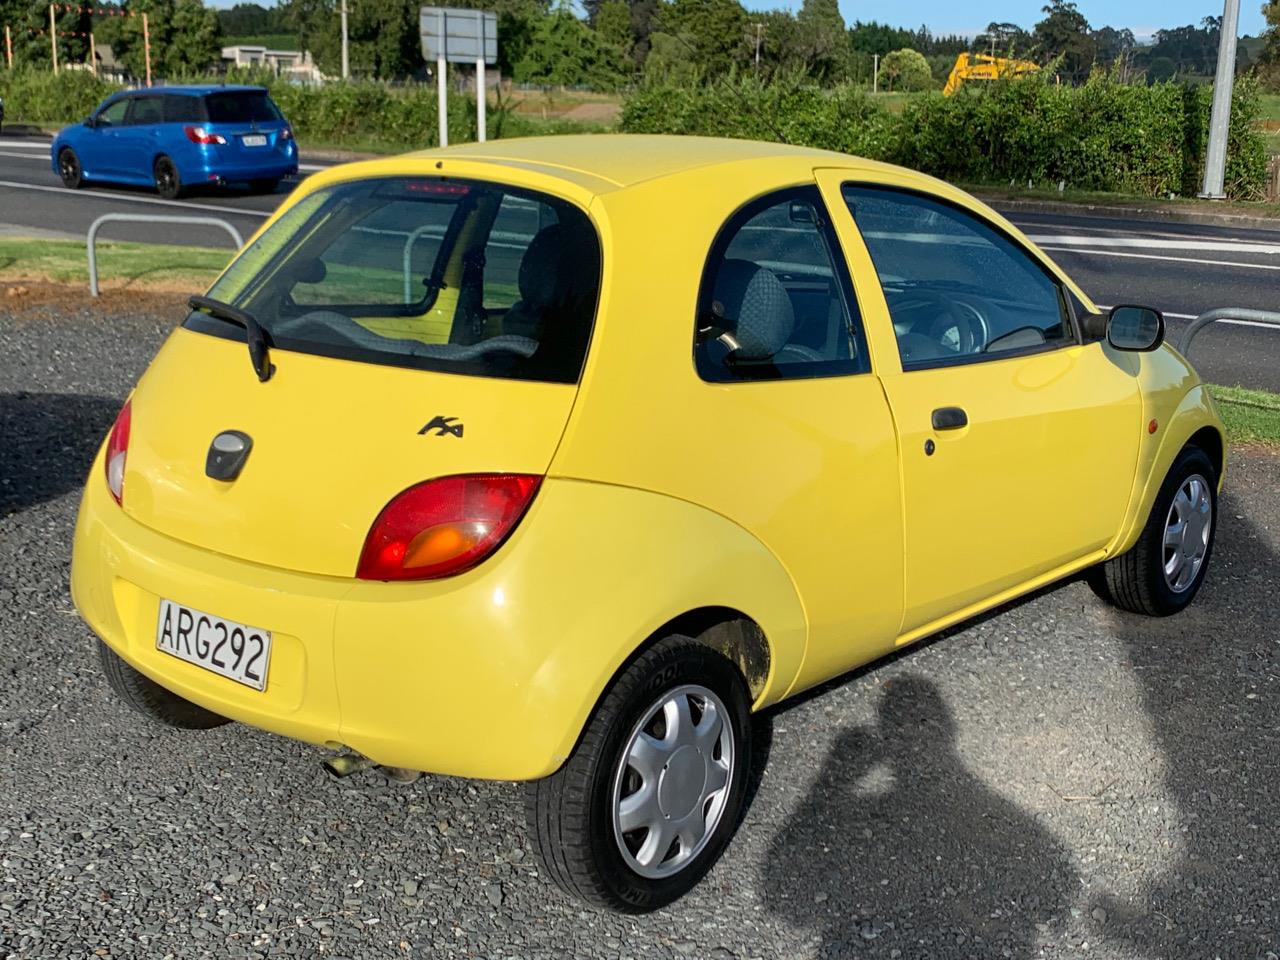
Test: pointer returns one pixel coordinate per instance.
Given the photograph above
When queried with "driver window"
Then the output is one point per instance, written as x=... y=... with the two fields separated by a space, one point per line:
x=112 y=115
x=958 y=290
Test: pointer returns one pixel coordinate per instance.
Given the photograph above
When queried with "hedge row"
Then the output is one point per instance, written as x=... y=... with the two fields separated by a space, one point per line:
x=357 y=114
x=1103 y=135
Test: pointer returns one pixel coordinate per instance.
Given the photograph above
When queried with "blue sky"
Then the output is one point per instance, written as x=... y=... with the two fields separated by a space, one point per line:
x=1143 y=17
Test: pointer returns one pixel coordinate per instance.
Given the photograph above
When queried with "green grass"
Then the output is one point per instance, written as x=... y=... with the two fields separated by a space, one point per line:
x=272 y=41
x=1270 y=106
x=119 y=264
x=1251 y=416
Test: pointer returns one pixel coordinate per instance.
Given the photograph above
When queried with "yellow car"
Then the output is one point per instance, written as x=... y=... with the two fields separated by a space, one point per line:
x=553 y=460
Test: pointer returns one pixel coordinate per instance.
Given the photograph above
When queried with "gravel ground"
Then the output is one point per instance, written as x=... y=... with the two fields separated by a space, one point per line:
x=1054 y=779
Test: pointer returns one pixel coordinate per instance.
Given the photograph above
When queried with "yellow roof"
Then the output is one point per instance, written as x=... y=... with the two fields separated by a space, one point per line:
x=601 y=162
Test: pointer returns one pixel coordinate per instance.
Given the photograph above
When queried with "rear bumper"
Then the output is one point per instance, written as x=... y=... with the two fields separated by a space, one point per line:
x=441 y=676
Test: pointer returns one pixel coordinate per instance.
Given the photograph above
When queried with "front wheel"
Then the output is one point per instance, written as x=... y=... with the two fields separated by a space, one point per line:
x=168 y=182
x=69 y=169
x=1161 y=573
x=648 y=800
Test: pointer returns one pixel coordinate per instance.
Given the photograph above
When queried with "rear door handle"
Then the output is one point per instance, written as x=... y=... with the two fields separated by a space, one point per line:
x=950 y=418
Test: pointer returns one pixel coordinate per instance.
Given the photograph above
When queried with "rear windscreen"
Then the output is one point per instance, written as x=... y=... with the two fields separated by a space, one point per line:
x=241 y=106
x=458 y=276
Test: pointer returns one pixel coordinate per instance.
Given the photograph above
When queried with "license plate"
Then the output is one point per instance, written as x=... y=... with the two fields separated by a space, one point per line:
x=254 y=140
x=233 y=650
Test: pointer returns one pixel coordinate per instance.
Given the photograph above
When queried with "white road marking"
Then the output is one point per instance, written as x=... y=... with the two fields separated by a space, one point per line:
x=42 y=157
x=1219 y=246
x=127 y=198
x=1152 y=256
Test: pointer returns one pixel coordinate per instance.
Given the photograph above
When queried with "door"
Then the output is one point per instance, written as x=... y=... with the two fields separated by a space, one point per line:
x=140 y=137
x=100 y=155
x=1018 y=440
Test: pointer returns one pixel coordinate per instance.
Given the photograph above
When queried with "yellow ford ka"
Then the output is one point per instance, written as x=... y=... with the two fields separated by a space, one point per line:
x=552 y=460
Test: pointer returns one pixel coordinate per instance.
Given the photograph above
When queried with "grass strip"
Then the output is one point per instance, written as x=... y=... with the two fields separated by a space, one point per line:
x=1251 y=416
x=133 y=265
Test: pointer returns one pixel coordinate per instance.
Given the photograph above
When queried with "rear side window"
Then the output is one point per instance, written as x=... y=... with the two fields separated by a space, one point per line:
x=144 y=110
x=241 y=106
x=458 y=276
x=958 y=289
x=181 y=109
x=776 y=301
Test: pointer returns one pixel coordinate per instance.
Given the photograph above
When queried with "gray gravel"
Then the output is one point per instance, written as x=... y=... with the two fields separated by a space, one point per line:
x=1053 y=780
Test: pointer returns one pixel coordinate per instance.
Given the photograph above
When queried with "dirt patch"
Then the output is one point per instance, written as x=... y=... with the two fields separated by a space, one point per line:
x=20 y=297
x=594 y=113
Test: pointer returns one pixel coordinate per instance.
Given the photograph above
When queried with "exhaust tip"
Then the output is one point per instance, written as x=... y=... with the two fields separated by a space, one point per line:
x=345 y=764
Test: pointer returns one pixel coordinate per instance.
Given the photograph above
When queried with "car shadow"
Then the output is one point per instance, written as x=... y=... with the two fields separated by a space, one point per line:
x=49 y=441
x=1209 y=681
x=897 y=838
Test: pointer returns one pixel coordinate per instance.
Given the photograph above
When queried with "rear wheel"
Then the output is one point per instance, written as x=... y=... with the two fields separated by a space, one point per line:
x=648 y=800
x=1161 y=573
x=152 y=700
x=168 y=183
x=69 y=169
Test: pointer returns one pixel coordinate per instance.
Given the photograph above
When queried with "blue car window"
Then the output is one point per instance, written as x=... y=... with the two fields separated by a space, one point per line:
x=145 y=110
x=112 y=115
x=182 y=109
x=241 y=106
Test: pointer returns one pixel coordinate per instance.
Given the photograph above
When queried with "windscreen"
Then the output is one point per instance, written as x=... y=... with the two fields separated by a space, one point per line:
x=241 y=106
x=458 y=276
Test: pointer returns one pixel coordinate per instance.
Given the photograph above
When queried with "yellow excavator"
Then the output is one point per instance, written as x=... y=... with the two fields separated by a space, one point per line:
x=983 y=67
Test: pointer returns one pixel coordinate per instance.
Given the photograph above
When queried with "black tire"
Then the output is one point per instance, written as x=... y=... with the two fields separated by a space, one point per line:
x=69 y=169
x=1135 y=580
x=168 y=182
x=152 y=700
x=571 y=812
x=264 y=186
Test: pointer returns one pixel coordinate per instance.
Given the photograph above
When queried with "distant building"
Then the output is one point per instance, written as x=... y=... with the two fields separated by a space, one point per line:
x=288 y=64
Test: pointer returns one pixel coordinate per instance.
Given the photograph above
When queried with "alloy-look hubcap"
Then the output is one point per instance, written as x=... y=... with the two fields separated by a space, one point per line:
x=1186 y=533
x=672 y=782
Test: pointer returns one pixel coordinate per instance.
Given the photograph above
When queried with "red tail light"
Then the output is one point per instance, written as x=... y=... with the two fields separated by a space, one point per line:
x=445 y=526
x=201 y=135
x=117 y=450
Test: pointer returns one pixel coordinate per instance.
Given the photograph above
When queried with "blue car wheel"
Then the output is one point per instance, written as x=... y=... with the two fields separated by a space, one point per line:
x=168 y=183
x=69 y=169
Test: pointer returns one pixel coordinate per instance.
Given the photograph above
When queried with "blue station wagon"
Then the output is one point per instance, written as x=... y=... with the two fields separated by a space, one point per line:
x=175 y=138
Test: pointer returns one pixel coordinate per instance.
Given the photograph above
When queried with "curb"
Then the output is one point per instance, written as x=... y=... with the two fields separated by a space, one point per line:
x=1119 y=212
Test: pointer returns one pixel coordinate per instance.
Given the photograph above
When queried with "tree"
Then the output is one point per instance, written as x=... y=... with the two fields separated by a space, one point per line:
x=30 y=29
x=821 y=38
x=906 y=69
x=1003 y=39
x=565 y=51
x=1269 y=61
x=715 y=29
x=382 y=35
x=1064 y=32
x=185 y=37
x=252 y=20
x=1112 y=45
x=612 y=24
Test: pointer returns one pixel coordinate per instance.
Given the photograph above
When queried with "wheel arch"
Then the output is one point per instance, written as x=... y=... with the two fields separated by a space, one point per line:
x=1210 y=440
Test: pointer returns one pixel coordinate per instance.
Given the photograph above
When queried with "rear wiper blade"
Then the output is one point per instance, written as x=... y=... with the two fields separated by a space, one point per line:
x=255 y=336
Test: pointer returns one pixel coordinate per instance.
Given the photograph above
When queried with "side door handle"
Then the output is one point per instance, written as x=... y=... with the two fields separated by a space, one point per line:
x=950 y=418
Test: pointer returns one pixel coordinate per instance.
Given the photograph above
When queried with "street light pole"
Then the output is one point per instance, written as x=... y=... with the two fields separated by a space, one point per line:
x=346 y=58
x=1215 y=165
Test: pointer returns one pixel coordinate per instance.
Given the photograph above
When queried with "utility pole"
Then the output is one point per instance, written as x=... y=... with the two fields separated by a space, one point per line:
x=146 y=43
x=346 y=54
x=53 y=37
x=1215 y=165
x=93 y=55
x=442 y=98
x=8 y=46
x=759 y=31
x=875 y=74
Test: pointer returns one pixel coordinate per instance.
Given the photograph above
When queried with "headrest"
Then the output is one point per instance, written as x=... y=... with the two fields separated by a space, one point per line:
x=754 y=306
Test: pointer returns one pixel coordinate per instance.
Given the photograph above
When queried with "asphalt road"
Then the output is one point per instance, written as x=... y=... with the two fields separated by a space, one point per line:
x=1181 y=269
x=1054 y=780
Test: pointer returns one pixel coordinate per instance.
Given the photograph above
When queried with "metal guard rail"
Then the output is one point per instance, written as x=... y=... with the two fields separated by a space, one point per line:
x=146 y=218
x=1266 y=318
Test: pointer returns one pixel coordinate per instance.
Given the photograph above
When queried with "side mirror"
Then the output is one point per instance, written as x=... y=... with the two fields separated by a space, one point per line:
x=1140 y=329
x=90 y=122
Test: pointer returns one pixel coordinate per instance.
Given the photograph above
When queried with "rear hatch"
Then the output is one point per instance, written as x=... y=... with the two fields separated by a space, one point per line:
x=473 y=370
x=250 y=123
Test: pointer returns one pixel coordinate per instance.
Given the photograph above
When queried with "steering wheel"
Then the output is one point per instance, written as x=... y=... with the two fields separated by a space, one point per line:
x=956 y=326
